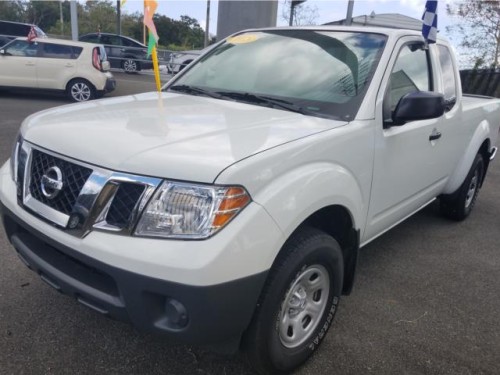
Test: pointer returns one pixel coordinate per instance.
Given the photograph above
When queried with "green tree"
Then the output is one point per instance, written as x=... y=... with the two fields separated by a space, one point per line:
x=98 y=16
x=304 y=14
x=44 y=14
x=132 y=26
x=477 y=30
x=12 y=10
x=192 y=33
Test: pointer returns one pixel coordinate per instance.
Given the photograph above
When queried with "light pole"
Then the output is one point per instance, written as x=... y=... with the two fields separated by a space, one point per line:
x=292 y=10
x=74 y=20
x=207 y=25
x=61 y=19
x=118 y=17
x=348 y=18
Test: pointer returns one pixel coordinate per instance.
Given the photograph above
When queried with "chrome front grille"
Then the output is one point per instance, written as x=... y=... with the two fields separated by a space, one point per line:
x=78 y=197
x=126 y=198
x=75 y=177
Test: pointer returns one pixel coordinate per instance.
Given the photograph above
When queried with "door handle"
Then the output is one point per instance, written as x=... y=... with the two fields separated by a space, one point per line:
x=435 y=135
x=69 y=65
x=30 y=64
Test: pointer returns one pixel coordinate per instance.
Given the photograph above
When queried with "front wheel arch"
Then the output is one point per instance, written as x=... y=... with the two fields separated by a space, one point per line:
x=263 y=342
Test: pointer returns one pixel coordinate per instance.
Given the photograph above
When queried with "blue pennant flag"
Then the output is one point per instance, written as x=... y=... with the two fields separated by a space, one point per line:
x=430 y=20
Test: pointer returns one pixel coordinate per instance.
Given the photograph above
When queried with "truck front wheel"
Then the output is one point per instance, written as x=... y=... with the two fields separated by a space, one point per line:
x=459 y=205
x=298 y=303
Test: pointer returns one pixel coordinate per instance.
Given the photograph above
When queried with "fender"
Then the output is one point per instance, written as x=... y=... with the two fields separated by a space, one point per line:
x=294 y=196
x=456 y=179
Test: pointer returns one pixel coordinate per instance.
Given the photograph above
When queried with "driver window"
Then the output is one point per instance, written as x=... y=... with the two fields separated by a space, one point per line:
x=411 y=73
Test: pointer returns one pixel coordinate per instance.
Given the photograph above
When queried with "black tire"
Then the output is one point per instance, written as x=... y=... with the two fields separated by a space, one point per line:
x=460 y=204
x=80 y=90
x=279 y=340
x=131 y=66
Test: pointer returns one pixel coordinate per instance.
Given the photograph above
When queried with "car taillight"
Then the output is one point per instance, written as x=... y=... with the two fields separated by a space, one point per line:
x=96 y=61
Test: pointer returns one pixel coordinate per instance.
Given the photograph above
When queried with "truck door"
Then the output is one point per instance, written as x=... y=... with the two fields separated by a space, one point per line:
x=408 y=166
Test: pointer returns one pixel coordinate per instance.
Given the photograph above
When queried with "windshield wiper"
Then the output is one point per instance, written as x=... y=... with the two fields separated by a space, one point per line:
x=195 y=90
x=266 y=100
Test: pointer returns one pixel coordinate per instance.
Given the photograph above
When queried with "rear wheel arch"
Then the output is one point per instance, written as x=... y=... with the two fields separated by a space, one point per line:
x=131 y=64
x=484 y=150
x=73 y=81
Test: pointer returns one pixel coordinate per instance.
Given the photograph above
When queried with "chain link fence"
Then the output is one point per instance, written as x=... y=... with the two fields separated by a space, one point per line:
x=481 y=82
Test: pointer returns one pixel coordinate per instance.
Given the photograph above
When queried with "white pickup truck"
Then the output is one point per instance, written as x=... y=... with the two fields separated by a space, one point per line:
x=230 y=209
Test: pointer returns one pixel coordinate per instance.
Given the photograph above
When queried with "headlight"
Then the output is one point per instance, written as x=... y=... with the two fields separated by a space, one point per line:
x=14 y=159
x=189 y=211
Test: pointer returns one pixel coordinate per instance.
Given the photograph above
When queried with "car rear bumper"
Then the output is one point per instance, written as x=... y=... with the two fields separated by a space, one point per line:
x=216 y=314
x=110 y=85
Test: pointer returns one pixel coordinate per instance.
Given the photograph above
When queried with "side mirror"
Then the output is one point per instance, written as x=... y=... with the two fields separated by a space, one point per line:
x=419 y=105
x=2 y=52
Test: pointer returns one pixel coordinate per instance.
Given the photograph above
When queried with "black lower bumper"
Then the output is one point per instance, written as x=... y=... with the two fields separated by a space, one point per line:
x=191 y=314
x=110 y=85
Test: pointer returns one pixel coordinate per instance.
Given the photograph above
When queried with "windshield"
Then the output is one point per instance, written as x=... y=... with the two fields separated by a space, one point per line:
x=40 y=33
x=323 y=73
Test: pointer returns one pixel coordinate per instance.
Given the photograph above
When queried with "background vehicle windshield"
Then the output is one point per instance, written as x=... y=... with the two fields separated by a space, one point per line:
x=323 y=72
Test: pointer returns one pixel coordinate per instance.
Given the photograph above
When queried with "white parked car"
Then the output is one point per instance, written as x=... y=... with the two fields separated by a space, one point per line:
x=81 y=70
x=179 y=60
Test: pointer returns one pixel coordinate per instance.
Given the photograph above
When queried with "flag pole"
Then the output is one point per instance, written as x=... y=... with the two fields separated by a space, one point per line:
x=149 y=11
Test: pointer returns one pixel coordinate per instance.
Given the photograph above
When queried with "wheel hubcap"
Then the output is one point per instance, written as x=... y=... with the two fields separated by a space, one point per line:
x=472 y=189
x=303 y=306
x=80 y=92
x=130 y=65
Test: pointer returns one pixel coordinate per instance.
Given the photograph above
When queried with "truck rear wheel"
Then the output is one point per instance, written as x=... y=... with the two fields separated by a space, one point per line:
x=298 y=303
x=459 y=205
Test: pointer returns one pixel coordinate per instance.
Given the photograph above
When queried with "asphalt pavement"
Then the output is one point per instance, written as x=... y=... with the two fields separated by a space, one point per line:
x=426 y=299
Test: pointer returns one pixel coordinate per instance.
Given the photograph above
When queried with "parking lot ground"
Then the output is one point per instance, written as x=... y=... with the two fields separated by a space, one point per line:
x=426 y=301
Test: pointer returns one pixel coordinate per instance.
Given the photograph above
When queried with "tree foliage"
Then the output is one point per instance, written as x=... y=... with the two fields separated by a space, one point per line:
x=94 y=16
x=477 y=30
x=304 y=13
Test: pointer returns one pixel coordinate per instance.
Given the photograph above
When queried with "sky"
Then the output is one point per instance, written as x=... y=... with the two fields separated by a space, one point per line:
x=329 y=10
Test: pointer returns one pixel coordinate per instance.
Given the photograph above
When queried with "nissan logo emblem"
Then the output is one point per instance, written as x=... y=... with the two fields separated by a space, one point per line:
x=52 y=182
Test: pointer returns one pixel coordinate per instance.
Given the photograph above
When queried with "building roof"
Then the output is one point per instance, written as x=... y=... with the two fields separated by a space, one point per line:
x=391 y=20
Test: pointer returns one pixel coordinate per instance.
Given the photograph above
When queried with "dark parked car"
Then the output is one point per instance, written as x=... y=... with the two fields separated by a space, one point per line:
x=4 y=40
x=10 y=30
x=123 y=52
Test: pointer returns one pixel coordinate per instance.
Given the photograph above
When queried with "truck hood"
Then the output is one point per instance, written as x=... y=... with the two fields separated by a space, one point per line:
x=167 y=135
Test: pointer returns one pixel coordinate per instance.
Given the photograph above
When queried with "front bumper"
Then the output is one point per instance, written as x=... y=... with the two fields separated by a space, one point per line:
x=194 y=291
x=191 y=314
